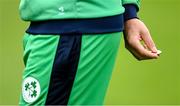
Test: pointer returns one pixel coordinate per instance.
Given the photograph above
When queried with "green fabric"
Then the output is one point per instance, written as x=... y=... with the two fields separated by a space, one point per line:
x=97 y=58
x=39 y=55
x=35 y=10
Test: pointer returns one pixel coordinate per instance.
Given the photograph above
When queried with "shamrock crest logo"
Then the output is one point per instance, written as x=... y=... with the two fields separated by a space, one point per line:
x=31 y=89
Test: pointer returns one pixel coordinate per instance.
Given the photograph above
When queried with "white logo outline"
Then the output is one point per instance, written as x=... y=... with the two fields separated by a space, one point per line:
x=30 y=89
x=61 y=10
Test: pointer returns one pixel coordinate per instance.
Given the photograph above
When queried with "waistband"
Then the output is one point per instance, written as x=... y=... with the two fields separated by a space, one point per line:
x=81 y=26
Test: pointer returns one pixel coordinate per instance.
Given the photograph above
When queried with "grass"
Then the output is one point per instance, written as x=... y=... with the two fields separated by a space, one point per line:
x=154 y=82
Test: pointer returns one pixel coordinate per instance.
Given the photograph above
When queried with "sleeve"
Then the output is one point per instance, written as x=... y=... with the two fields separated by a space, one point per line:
x=131 y=9
x=130 y=12
x=135 y=2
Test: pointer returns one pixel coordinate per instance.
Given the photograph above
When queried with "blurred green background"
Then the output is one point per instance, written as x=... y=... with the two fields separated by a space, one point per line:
x=154 y=82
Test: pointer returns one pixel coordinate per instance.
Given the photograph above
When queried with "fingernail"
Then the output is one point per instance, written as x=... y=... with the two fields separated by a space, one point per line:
x=159 y=52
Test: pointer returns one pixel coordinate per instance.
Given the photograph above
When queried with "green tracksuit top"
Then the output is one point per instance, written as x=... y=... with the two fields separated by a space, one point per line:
x=37 y=10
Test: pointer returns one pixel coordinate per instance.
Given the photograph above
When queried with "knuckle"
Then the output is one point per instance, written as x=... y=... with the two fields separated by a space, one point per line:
x=146 y=32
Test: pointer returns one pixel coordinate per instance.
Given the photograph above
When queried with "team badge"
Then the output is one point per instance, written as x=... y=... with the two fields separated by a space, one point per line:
x=30 y=89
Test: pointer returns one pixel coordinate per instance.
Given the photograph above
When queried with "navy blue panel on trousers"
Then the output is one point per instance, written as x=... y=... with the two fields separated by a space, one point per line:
x=64 y=69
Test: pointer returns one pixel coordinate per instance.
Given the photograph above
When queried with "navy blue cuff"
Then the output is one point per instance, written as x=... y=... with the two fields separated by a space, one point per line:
x=130 y=11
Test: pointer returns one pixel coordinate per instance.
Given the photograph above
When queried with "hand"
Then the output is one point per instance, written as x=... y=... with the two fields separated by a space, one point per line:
x=138 y=40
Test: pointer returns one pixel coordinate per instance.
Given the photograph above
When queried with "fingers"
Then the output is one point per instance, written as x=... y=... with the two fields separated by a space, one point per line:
x=146 y=37
x=138 y=40
x=139 y=51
